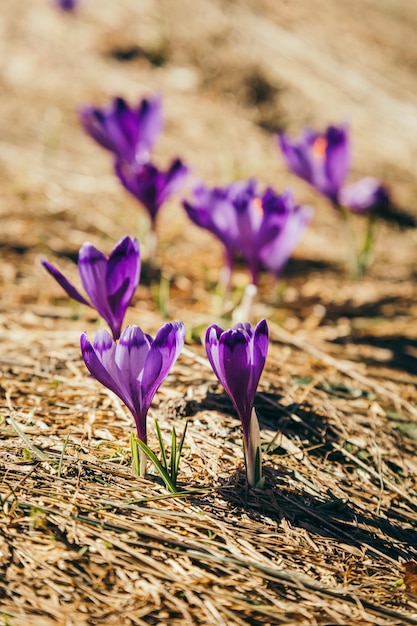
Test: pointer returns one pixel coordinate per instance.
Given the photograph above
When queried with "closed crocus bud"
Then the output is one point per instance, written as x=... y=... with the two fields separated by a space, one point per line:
x=321 y=159
x=237 y=357
x=110 y=282
x=129 y=132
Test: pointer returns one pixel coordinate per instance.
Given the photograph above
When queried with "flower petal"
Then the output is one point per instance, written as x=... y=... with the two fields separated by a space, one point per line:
x=162 y=355
x=337 y=158
x=64 y=283
x=92 y=265
x=122 y=278
x=99 y=359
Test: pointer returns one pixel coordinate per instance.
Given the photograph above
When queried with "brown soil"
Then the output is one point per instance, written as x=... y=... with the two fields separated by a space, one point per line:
x=82 y=540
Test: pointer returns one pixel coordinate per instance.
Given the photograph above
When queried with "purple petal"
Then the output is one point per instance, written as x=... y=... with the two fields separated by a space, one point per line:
x=122 y=278
x=234 y=354
x=163 y=353
x=364 y=195
x=93 y=122
x=173 y=180
x=99 y=359
x=131 y=353
x=151 y=123
x=337 y=158
x=213 y=335
x=64 y=283
x=260 y=349
x=92 y=265
x=283 y=225
x=296 y=157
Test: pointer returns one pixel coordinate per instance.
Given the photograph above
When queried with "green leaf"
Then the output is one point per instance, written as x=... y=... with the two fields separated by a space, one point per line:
x=156 y=463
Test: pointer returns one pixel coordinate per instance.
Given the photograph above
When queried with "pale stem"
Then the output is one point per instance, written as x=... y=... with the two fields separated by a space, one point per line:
x=243 y=313
x=253 y=457
x=139 y=458
x=353 y=257
x=152 y=242
x=365 y=255
x=225 y=281
x=143 y=460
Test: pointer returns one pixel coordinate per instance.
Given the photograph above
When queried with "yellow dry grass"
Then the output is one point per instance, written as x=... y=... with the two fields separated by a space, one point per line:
x=84 y=541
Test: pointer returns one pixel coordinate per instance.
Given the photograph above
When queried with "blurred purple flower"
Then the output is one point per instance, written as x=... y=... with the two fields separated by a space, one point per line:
x=129 y=133
x=135 y=366
x=322 y=159
x=67 y=5
x=151 y=186
x=110 y=282
x=237 y=357
x=263 y=230
x=364 y=195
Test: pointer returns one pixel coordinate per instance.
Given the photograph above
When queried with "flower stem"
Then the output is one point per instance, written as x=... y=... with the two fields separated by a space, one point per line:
x=253 y=456
x=353 y=256
x=139 y=458
x=152 y=242
x=365 y=256
x=243 y=313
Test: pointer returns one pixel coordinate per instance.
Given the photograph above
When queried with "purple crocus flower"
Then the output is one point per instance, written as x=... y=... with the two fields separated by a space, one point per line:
x=364 y=195
x=237 y=357
x=151 y=186
x=128 y=132
x=322 y=159
x=135 y=366
x=264 y=230
x=110 y=282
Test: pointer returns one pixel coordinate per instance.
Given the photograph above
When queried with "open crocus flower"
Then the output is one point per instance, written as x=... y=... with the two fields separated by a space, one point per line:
x=135 y=366
x=364 y=195
x=110 y=282
x=322 y=159
x=264 y=229
x=129 y=133
x=237 y=357
x=151 y=186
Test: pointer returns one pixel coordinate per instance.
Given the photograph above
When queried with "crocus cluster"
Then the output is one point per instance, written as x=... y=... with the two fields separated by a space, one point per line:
x=130 y=134
x=323 y=159
x=110 y=282
x=135 y=366
x=263 y=228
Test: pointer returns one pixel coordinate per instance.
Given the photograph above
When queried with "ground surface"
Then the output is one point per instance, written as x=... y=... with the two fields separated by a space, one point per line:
x=82 y=540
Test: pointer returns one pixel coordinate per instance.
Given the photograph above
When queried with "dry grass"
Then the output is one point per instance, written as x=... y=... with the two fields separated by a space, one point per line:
x=84 y=541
